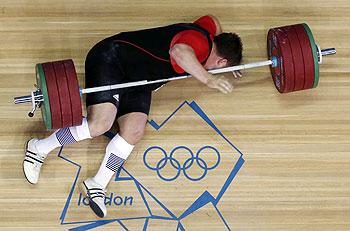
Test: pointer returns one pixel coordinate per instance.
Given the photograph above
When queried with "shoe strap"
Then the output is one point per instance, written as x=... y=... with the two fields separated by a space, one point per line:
x=96 y=191
x=42 y=157
x=32 y=157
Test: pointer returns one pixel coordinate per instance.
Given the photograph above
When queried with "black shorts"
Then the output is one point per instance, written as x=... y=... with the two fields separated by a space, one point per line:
x=102 y=68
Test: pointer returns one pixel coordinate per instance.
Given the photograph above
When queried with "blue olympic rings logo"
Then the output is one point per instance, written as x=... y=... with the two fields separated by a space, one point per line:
x=162 y=163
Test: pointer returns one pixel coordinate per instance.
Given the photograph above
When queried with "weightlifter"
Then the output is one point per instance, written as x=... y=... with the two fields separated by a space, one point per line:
x=149 y=54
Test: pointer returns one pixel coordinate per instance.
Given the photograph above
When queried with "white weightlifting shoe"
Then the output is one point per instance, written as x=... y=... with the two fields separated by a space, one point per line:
x=32 y=162
x=96 y=196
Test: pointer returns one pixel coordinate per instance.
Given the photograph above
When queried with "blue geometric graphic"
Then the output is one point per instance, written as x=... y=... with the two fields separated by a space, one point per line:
x=205 y=199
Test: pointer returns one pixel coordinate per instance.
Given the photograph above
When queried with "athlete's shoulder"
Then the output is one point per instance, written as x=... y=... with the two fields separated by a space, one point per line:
x=210 y=23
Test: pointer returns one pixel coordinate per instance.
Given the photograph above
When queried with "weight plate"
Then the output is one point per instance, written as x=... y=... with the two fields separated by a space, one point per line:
x=74 y=92
x=298 y=61
x=63 y=91
x=308 y=59
x=54 y=99
x=45 y=105
x=273 y=50
x=279 y=44
x=314 y=53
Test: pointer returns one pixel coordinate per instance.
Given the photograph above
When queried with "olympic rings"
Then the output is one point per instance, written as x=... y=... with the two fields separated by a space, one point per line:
x=172 y=158
x=162 y=163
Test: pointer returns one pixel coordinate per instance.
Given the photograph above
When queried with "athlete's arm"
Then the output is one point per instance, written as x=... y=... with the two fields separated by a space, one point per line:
x=185 y=57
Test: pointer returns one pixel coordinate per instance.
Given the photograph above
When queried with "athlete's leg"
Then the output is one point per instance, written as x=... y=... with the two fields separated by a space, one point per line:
x=132 y=111
x=131 y=131
x=100 y=119
x=132 y=128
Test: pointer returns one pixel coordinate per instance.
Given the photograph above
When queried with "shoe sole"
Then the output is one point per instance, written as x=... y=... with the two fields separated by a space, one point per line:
x=95 y=208
x=25 y=150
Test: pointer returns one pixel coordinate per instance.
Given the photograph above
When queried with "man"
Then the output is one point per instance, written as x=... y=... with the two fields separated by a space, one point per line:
x=150 y=54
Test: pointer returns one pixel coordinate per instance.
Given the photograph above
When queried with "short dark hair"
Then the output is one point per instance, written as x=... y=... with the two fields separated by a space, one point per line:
x=229 y=46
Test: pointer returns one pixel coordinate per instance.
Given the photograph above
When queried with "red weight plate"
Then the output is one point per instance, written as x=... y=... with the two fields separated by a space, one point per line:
x=74 y=93
x=54 y=99
x=307 y=56
x=273 y=50
x=287 y=60
x=298 y=61
x=63 y=91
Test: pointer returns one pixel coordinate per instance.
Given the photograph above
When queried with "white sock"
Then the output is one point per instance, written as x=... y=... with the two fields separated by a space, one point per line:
x=117 y=151
x=64 y=136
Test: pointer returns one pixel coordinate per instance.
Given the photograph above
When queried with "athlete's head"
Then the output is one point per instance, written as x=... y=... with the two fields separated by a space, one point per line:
x=227 y=51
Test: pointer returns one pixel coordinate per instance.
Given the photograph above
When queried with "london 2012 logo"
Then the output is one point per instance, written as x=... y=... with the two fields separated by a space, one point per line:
x=195 y=170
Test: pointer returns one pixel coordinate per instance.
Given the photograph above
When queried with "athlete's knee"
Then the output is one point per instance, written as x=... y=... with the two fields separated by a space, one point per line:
x=101 y=118
x=99 y=126
x=138 y=133
x=132 y=134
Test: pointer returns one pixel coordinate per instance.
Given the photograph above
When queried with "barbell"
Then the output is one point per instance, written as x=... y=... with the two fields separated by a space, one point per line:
x=294 y=60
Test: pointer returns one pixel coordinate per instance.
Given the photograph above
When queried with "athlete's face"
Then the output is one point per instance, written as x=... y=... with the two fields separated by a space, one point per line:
x=214 y=60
